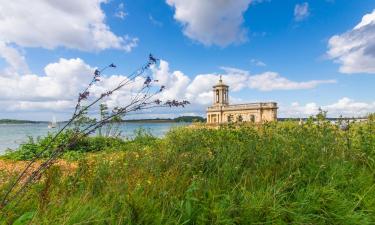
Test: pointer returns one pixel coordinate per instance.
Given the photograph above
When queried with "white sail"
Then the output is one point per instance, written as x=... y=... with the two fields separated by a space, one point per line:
x=53 y=123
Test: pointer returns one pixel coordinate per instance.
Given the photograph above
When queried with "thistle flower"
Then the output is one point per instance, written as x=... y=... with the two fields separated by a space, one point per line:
x=83 y=95
x=147 y=81
x=97 y=73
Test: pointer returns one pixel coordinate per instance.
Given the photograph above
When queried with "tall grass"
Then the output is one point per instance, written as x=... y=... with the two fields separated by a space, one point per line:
x=277 y=173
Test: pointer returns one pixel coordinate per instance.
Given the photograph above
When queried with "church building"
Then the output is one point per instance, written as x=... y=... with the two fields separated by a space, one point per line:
x=222 y=112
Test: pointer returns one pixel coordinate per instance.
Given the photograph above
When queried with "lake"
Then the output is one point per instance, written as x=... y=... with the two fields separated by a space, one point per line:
x=12 y=135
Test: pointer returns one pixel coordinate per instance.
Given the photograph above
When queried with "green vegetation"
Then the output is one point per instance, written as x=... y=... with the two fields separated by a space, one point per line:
x=186 y=119
x=33 y=147
x=10 y=121
x=276 y=173
x=190 y=119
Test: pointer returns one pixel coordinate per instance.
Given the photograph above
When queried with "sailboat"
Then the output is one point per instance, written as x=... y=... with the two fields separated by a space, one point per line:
x=53 y=123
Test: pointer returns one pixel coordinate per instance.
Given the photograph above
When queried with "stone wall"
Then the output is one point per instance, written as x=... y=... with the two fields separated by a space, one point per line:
x=243 y=115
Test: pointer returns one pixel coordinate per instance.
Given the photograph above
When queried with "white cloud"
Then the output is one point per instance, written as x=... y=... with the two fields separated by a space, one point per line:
x=38 y=106
x=57 y=89
x=199 y=90
x=301 y=11
x=120 y=13
x=269 y=81
x=155 y=21
x=344 y=106
x=258 y=62
x=14 y=58
x=355 y=49
x=62 y=81
x=51 y=24
x=212 y=22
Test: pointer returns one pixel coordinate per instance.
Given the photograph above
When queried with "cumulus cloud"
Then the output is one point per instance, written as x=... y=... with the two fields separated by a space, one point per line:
x=51 y=24
x=14 y=58
x=354 y=50
x=57 y=88
x=269 y=81
x=38 y=106
x=61 y=81
x=301 y=11
x=199 y=90
x=212 y=22
x=344 y=106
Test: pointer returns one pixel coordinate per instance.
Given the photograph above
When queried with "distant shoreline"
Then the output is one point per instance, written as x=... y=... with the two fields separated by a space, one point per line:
x=188 y=119
x=157 y=120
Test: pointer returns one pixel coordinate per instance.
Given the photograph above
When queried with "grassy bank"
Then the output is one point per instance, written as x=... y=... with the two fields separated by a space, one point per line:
x=278 y=173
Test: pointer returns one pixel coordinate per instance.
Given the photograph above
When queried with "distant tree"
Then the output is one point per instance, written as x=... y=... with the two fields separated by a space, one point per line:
x=189 y=119
x=322 y=115
x=111 y=128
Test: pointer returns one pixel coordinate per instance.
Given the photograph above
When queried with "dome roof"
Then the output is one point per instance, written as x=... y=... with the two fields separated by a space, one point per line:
x=220 y=84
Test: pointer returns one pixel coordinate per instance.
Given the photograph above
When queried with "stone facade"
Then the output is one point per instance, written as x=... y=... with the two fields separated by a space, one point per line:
x=222 y=112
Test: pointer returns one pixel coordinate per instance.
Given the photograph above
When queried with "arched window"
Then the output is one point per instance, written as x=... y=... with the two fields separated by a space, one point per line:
x=230 y=118
x=252 y=118
x=217 y=96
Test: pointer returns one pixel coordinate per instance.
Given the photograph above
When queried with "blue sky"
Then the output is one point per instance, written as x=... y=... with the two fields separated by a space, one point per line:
x=302 y=54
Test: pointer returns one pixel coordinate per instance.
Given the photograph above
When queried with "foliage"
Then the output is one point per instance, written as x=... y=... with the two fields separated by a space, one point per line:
x=11 y=121
x=189 y=119
x=33 y=147
x=111 y=128
x=276 y=173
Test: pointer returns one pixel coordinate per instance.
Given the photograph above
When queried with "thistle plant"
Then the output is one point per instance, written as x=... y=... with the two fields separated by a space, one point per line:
x=146 y=97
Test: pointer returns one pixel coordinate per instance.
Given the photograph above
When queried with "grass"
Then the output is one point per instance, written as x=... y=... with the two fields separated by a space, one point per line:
x=277 y=173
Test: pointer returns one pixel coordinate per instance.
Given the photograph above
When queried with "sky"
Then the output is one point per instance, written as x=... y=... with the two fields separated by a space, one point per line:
x=304 y=55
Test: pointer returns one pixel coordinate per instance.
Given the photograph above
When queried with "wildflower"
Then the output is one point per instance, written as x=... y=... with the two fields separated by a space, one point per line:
x=152 y=59
x=147 y=81
x=97 y=73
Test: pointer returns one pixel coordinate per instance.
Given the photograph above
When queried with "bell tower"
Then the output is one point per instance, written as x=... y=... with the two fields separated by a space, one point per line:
x=221 y=94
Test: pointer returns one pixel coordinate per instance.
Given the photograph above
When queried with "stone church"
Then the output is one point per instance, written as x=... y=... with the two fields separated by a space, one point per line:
x=222 y=112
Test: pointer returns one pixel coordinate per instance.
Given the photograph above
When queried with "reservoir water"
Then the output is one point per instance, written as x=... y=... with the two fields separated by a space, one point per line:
x=12 y=135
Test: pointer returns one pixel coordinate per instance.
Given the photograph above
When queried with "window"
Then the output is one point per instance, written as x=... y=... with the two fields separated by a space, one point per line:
x=217 y=96
x=229 y=118
x=252 y=118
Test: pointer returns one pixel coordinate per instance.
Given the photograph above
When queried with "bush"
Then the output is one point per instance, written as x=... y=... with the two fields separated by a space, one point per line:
x=33 y=147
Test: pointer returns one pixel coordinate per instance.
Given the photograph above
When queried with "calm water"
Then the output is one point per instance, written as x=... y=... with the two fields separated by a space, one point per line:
x=12 y=135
